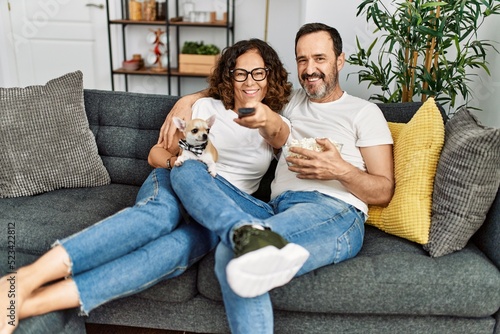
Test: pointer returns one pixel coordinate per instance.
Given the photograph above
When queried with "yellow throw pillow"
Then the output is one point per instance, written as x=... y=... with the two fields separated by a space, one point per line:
x=417 y=147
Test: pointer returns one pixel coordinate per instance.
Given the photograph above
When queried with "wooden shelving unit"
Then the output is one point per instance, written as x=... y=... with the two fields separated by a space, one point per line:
x=171 y=26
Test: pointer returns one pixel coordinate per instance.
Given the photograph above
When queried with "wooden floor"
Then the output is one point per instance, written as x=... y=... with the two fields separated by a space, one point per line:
x=108 y=329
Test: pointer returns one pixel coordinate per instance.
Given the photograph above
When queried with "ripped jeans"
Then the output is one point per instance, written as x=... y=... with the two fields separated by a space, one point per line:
x=136 y=247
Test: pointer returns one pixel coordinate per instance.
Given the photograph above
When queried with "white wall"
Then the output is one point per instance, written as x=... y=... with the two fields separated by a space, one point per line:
x=8 y=75
x=487 y=88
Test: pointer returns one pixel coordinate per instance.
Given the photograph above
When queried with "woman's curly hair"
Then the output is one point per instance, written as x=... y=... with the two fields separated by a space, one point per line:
x=221 y=85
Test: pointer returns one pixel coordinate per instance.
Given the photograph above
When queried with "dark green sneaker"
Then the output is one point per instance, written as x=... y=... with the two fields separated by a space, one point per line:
x=249 y=238
x=264 y=260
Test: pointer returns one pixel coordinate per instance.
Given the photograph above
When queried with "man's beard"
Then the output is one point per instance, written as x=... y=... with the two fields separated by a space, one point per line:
x=322 y=90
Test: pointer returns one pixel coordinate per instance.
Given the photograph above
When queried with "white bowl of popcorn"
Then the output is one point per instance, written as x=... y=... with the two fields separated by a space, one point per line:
x=307 y=143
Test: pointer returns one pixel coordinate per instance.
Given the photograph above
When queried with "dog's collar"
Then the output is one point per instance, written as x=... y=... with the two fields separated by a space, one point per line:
x=196 y=149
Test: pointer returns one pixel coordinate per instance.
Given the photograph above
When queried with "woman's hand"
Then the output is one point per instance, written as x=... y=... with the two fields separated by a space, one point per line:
x=270 y=124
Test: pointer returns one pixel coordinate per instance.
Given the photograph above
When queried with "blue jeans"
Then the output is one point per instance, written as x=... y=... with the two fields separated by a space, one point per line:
x=137 y=247
x=331 y=230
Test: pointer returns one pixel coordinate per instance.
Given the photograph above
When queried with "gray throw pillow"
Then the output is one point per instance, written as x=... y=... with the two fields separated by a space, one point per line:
x=467 y=180
x=45 y=139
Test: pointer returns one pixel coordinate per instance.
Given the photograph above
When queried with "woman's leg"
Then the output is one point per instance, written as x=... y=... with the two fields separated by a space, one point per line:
x=17 y=287
x=156 y=213
x=60 y=295
x=217 y=204
x=164 y=258
x=261 y=254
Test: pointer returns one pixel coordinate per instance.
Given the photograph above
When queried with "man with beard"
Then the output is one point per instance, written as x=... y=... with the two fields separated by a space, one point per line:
x=319 y=199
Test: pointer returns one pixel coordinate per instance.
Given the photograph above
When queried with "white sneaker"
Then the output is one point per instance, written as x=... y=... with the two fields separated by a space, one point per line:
x=261 y=270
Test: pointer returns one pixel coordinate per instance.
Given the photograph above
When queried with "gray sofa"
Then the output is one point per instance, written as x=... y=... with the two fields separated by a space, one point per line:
x=392 y=286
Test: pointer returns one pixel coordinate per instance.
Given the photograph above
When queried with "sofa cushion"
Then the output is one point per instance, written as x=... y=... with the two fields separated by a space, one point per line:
x=467 y=180
x=45 y=140
x=390 y=275
x=417 y=146
x=175 y=290
x=40 y=220
x=126 y=126
x=488 y=235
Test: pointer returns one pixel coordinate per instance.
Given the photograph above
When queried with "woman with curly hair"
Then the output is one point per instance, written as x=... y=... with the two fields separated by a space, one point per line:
x=152 y=241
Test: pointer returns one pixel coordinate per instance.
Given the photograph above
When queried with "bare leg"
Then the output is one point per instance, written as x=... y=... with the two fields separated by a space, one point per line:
x=16 y=288
x=57 y=296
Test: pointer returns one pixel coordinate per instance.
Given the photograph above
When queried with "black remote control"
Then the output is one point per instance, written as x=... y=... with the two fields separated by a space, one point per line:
x=243 y=112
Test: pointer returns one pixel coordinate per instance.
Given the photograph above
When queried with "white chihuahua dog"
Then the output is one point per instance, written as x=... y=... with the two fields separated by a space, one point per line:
x=196 y=144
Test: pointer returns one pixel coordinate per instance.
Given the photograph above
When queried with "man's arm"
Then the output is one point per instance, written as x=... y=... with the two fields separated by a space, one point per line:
x=181 y=109
x=375 y=186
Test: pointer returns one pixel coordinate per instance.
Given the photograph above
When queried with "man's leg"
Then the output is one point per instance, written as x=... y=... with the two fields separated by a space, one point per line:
x=233 y=215
x=329 y=229
x=245 y=315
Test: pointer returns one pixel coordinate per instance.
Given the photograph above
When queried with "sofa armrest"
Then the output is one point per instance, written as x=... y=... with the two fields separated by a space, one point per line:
x=488 y=236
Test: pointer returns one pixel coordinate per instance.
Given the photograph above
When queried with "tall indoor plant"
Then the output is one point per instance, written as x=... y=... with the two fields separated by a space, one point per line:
x=427 y=48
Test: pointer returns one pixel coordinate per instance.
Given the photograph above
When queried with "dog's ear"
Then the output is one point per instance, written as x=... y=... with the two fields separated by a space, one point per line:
x=210 y=121
x=179 y=123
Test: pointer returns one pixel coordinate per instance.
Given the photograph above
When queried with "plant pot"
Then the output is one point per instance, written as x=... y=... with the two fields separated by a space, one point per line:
x=197 y=64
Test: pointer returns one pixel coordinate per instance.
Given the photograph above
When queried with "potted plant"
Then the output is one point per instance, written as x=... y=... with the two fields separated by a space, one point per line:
x=198 y=58
x=427 y=48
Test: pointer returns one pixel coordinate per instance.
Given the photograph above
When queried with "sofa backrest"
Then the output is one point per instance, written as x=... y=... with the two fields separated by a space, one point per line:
x=126 y=126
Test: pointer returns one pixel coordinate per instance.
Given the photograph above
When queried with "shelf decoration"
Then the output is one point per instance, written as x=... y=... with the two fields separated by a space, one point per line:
x=135 y=10
x=161 y=51
x=158 y=58
x=198 y=58
x=134 y=64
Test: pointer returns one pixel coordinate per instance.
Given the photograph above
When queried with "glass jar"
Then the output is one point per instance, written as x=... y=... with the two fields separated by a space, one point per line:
x=187 y=9
x=149 y=10
x=135 y=10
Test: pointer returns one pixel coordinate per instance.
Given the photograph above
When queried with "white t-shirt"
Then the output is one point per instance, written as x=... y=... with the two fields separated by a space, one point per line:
x=244 y=156
x=350 y=121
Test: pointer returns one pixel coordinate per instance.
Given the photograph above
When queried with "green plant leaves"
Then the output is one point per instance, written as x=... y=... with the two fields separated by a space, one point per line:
x=426 y=48
x=199 y=48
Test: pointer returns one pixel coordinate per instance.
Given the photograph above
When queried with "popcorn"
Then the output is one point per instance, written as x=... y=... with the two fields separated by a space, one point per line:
x=307 y=143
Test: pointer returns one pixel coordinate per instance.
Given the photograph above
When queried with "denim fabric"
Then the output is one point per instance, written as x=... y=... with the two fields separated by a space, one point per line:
x=330 y=229
x=137 y=247
x=220 y=208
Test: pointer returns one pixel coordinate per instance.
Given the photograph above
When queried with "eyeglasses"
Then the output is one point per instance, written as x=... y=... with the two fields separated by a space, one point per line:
x=258 y=74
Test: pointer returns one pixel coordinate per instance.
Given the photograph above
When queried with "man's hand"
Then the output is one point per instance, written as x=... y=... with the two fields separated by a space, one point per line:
x=375 y=186
x=168 y=133
x=326 y=165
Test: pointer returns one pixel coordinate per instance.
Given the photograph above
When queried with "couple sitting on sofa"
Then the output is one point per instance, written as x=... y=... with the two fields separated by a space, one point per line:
x=315 y=218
